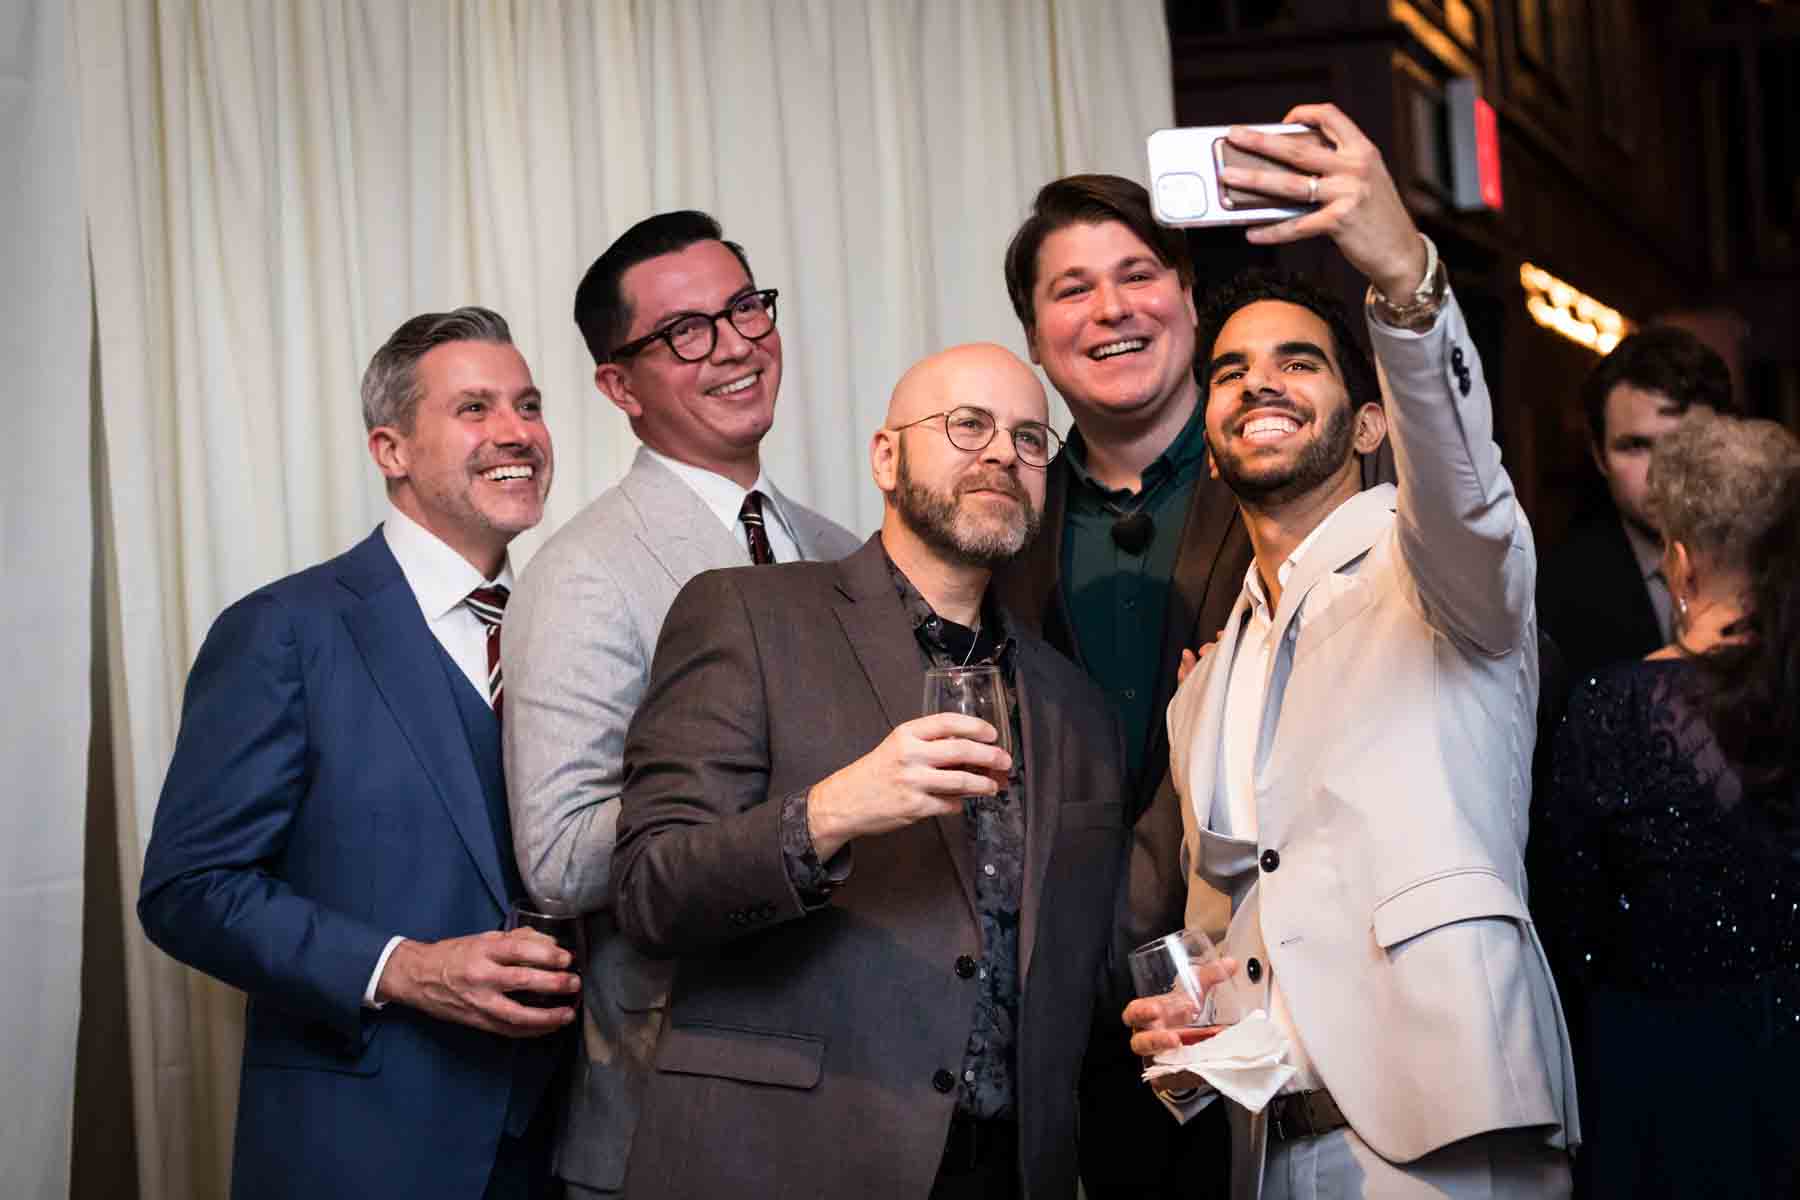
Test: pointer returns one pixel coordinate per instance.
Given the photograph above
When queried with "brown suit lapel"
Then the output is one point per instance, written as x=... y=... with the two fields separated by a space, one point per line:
x=1030 y=587
x=875 y=625
x=1042 y=753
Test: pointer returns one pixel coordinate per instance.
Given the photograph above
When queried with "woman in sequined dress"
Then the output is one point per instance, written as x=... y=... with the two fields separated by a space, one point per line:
x=1672 y=902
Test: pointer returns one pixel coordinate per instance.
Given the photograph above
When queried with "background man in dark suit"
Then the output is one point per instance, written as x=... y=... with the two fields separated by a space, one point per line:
x=889 y=932
x=1141 y=558
x=1601 y=595
x=332 y=836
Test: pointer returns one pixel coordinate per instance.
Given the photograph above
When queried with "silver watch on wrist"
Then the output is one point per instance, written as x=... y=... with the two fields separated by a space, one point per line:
x=1418 y=311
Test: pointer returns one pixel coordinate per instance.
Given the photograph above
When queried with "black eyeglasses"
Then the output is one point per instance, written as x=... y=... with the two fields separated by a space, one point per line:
x=971 y=428
x=692 y=337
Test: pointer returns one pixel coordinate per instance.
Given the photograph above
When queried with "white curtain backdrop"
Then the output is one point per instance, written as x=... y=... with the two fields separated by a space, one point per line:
x=45 y=553
x=271 y=187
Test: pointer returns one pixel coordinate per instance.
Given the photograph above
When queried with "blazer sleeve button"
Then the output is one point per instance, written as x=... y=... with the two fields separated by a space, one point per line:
x=965 y=967
x=943 y=1081
x=1271 y=859
x=1254 y=970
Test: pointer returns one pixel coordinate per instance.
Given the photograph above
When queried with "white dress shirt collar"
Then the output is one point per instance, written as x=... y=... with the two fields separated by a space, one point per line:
x=725 y=498
x=440 y=578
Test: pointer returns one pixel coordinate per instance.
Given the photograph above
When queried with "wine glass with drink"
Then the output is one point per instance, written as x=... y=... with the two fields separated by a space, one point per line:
x=974 y=692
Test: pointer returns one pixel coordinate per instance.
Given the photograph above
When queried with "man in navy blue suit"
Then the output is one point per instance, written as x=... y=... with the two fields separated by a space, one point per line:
x=333 y=837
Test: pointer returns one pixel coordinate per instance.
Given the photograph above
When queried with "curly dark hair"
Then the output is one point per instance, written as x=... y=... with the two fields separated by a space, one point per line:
x=1257 y=284
x=1659 y=359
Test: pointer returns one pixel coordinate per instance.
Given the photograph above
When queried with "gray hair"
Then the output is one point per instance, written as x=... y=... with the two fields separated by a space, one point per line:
x=390 y=387
x=1714 y=482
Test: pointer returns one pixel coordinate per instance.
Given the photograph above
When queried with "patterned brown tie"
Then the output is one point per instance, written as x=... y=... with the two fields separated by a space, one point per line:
x=754 y=531
x=489 y=605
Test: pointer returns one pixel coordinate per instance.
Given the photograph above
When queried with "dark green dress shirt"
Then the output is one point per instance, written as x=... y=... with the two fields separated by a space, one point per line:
x=1116 y=601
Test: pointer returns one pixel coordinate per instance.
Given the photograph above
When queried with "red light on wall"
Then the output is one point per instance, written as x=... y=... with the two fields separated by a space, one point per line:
x=1487 y=153
x=1474 y=136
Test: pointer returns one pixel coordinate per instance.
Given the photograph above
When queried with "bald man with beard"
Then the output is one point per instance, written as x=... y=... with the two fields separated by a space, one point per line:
x=890 y=935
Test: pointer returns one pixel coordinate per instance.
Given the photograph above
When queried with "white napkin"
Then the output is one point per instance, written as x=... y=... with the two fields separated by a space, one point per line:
x=1244 y=1062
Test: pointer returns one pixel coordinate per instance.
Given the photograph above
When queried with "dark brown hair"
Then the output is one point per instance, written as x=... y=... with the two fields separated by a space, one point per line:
x=1087 y=200
x=1660 y=359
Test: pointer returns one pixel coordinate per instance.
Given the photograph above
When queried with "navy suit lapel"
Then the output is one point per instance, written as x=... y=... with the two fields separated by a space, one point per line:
x=402 y=657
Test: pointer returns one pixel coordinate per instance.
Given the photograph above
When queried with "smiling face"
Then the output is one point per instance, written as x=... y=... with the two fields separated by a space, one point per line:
x=1113 y=328
x=475 y=466
x=712 y=413
x=1279 y=423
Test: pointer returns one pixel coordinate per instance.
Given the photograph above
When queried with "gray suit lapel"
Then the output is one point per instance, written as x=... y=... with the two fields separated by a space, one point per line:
x=676 y=527
x=808 y=530
x=875 y=625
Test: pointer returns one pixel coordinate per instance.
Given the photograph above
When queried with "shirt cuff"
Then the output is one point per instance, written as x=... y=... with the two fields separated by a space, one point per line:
x=369 y=1000
x=812 y=880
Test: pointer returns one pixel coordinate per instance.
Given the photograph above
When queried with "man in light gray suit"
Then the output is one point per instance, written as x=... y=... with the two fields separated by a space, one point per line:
x=1353 y=758
x=685 y=344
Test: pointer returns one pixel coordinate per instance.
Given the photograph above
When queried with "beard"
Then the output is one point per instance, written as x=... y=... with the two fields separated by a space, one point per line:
x=938 y=519
x=1319 y=460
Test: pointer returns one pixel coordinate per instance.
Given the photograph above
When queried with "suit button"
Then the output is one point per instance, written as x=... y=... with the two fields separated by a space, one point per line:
x=1270 y=860
x=965 y=967
x=1456 y=358
x=1253 y=969
x=943 y=1081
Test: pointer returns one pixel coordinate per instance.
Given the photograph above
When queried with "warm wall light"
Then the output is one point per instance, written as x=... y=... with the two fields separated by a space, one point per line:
x=1574 y=314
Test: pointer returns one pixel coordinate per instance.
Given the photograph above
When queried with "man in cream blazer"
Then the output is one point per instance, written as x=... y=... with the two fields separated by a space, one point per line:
x=1353 y=759
x=685 y=344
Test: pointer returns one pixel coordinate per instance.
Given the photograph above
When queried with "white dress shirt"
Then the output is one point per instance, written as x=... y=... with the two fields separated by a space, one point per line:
x=1245 y=702
x=440 y=579
x=726 y=499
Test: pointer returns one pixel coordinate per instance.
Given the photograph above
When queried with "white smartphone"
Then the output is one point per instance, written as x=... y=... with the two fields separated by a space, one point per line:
x=1184 y=177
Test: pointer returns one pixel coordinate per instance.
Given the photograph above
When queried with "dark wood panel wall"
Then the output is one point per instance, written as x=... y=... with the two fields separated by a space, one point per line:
x=1628 y=130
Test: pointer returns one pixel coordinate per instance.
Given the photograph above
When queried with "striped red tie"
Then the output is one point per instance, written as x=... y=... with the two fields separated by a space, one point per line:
x=755 y=533
x=489 y=605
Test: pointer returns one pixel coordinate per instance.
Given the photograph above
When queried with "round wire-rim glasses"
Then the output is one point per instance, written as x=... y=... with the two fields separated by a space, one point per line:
x=692 y=336
x=970 y=428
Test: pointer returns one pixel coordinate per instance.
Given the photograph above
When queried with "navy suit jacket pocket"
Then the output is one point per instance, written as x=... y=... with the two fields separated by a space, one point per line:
x=751 y=1055
x=274 y=1039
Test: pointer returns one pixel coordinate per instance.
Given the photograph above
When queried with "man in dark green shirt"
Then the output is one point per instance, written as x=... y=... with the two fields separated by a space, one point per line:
x=1141 y=556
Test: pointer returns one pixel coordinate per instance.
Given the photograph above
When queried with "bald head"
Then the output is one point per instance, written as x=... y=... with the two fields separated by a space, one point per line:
x=973 y=374
x=947 y=459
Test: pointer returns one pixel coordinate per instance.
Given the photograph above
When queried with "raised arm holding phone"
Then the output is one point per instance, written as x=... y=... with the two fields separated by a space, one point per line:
x=1352 y=758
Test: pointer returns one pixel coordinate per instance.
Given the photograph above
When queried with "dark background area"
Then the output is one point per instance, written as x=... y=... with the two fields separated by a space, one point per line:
x=1650 y=155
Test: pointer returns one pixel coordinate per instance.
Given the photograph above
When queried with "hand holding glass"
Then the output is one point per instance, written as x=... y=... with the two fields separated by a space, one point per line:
x=973 y=692
x=567 y=930
x=1185 y=973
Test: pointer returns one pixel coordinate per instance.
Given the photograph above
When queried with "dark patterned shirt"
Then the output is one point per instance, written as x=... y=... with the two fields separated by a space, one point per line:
x=996 y=827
